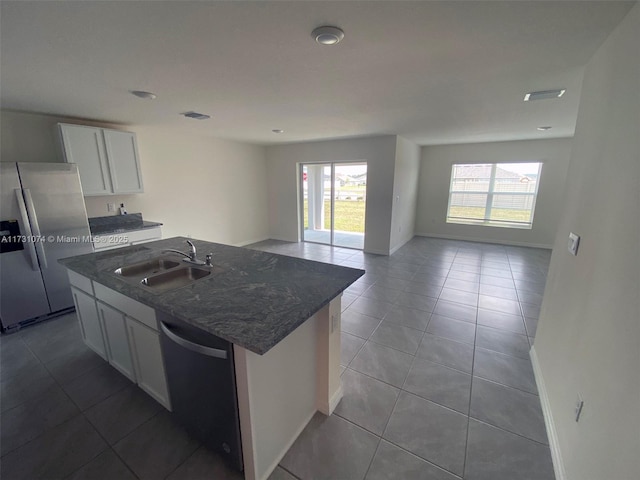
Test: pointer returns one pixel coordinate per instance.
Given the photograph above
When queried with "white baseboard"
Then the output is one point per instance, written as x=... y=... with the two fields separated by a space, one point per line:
x=249 y=242
x=327 y=408
x=397 y=247
x=556 y=456
x=484 y=240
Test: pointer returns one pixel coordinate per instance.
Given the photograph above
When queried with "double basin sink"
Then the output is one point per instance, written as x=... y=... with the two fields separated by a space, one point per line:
x=164 y=273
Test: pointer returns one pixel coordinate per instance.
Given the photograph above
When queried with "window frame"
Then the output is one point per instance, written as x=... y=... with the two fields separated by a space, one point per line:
x=490 y=194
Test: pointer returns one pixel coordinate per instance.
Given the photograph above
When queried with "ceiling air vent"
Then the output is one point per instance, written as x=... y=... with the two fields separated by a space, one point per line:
x=531 y=96
x=197 y=116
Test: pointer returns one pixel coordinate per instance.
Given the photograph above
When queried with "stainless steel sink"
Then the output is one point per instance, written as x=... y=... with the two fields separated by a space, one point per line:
x=177 y=277
x=148 y=267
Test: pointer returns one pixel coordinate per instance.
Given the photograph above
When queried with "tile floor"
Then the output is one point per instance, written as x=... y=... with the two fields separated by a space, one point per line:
x=437 y=380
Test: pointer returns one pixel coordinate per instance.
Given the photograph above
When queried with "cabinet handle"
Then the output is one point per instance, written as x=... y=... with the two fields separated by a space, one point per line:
x=194 y=347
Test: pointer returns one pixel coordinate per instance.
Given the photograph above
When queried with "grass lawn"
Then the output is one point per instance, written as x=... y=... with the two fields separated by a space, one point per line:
x=349 y=215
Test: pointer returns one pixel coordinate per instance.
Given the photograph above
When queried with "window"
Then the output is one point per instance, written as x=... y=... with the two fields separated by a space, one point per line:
x=494 y=194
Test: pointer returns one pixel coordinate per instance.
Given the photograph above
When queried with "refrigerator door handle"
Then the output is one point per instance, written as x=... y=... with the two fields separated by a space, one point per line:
x=36 y=228
x=27 y=227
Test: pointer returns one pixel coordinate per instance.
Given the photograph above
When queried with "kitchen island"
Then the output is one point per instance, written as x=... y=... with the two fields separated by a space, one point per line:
x=281 y=315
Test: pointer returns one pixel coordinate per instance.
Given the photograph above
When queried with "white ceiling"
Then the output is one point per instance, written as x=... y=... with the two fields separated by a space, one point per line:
x=433 y=72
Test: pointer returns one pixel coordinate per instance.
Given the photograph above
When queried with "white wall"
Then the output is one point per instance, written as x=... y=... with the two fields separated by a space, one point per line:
x=378 y=152
x=588 y=338
x=210 y=189
x=435 y=175
x=405 y=192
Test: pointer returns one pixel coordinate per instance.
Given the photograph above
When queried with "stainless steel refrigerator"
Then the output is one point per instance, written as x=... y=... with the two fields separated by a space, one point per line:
x=42 y=218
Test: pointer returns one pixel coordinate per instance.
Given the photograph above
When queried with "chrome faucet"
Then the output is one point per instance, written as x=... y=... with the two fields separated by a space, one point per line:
x=190 y=257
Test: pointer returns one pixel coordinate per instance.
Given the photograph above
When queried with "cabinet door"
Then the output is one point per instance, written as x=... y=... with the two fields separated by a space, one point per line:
x=89 y=321
x=124 y=163
x=84 y=146
x=149 y=367
x=116 y=339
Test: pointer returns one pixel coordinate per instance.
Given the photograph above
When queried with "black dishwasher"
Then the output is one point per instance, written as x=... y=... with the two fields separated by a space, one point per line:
x=201 y=379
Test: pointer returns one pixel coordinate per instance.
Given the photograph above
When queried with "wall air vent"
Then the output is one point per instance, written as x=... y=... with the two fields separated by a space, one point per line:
x=196 y=115
x=529 y=97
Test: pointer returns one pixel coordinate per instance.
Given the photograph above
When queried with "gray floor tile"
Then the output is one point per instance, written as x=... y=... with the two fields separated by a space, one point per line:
x=61 y=336
x=393 y=463
x=371 y=307
x=15 y=358
x=68 y=367
x=382 y=293
x=439 y=384
x=56 y=453
x=497 y=281
x=416 y=301
x=531 y=311
x=499 y=292
x=435 y=277
x=528 y=286
x=494 y=454
x=532 y=326
x=467 y=276
x=496 y=272
x=393 y=282
x=349 y=346
x=30 y=419
x=121 y=413
x=458 y=296
x=452 y=329
x=502 y=341
x=358 y=324
x=503 y=305
x=508 y=408
x=430 y=431
x=446 y=352
x=106 y=466
x=462 y=285
x=205 y=464
x=424 y=288
x=34 y=382
x=408 y=317
x=331 y=448
x=505 y=369
x=465 y=313
x=367 y=402
x=346 y=300
x=156 y=448
x=531 y=298
x=94 y=386
x=396 y=336
x=280 y=474
x=384 y=363
x=512 y=323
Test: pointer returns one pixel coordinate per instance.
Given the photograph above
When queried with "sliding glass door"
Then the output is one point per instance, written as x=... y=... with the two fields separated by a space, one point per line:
x=334 y=203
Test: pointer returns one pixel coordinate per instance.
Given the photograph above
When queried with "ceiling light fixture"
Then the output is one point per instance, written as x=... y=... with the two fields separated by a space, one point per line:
x=544 y=128
x=541 y=95
x=196 y=115
x=143 y=94
x=327 y=35
x=277 y=130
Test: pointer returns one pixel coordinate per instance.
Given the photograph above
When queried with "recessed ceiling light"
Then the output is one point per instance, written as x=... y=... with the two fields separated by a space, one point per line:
x=196 y=115
x=544 y=128
x=277 y=130
x=143 y=94
x=529 y=97
x=327 y=35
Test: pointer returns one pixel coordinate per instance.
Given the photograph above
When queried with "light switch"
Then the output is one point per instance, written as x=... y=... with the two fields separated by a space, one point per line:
x=574 y=241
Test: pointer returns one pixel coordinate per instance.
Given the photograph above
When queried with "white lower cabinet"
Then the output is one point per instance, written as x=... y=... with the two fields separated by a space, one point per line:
x=145 y=347
x=124 y=332
x=115 y=333
x=90 y=324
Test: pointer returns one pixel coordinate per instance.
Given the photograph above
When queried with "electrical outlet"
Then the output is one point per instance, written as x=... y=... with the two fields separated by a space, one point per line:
x=111 y=207
x=578 y=408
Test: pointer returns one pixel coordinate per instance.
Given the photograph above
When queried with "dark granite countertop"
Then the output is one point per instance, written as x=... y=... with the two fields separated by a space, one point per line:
x=257 y=300
x=119 y=224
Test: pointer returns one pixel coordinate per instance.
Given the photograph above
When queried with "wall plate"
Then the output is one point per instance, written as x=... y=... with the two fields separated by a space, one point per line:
x=574 y=241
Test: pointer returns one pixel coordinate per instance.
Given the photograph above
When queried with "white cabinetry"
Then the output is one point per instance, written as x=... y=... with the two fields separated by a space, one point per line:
x=125 y=239
x=90 y=324
x=108 y=160
x=115 y=333
x=124 y=332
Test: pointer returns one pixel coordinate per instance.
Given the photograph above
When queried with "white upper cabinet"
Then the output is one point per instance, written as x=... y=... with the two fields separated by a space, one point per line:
x=108 y=160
